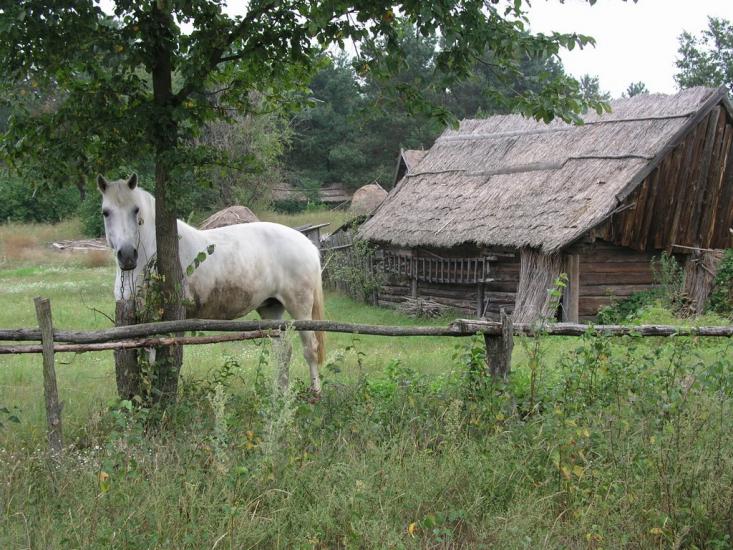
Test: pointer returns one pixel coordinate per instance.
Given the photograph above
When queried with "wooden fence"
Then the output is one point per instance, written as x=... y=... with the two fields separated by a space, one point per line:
x=498 y=338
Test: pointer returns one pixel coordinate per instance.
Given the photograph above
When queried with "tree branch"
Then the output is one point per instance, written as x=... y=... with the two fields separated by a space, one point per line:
x=217 y=55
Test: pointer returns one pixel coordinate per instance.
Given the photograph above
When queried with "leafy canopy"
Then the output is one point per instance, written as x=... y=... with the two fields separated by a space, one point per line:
x=97 y=68
x=707 y=59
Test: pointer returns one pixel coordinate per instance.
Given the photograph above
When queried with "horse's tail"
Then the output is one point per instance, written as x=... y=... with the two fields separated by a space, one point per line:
x=317 y=315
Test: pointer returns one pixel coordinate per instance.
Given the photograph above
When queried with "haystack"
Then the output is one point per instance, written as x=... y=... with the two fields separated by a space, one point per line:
x=231 y=215
x=367 y=198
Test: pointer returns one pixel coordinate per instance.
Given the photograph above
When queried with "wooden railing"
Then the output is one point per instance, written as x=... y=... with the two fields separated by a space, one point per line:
x=438 y=269
x=498 y=338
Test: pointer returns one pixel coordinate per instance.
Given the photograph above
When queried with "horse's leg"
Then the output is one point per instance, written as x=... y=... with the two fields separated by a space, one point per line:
x=310 y=351
x=273 y=309
x=302 y=310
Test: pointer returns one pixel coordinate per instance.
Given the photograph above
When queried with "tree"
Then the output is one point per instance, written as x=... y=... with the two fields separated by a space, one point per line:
x=590 y=87
x=636 y=88
x=133 y=83
x=246 y=154
x=707 y=60
x=325 y=146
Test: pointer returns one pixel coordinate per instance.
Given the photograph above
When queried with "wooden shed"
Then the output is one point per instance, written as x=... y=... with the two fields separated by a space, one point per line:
x=497 y=208
x=331 y=194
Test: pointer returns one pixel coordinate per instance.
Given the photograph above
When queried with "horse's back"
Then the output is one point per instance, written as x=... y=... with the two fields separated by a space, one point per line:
x=251 y=263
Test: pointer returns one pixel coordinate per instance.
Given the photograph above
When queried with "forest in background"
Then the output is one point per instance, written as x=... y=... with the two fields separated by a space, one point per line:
x=347 y=127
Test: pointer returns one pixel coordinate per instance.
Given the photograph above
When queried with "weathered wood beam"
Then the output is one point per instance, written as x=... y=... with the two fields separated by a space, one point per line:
x=143 y=343
x=458 y=328
x=50 y=389
x=499 y=349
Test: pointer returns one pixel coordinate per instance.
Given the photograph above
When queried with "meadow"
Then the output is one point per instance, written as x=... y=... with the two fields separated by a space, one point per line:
x=593 y=442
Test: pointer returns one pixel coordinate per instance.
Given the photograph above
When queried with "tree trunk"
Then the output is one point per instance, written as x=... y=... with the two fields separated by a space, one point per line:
x=81 y=185
x=167 y=359
x=127 y=368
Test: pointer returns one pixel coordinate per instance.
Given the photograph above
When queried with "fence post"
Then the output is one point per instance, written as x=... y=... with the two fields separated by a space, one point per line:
x=499 y=349
x=127 y=367
x=50 y=390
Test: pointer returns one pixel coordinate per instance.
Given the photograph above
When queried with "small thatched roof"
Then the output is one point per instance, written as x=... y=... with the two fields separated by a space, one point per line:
x=229 y=216
x=413 y=157
x=367 y=198
x=334 y=193
x=407 y=162
x=512 y=181
x=330 y=193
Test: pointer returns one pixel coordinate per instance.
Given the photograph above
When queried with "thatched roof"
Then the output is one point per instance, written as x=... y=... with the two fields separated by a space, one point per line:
x=286 y=191
x=330 y=193
x=511 y=181
x=229 y=216
x=407 y=162
x=367 y=198
x=412 y=157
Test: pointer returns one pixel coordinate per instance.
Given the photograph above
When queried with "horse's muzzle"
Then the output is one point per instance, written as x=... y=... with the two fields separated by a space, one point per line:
x=127 y=258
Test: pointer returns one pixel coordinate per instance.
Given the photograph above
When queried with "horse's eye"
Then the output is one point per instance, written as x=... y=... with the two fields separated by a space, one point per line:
x=105 y=213
x=136 y=211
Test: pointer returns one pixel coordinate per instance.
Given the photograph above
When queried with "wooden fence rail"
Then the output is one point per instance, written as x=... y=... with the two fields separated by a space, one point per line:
x=498 y=338
x=458 y=328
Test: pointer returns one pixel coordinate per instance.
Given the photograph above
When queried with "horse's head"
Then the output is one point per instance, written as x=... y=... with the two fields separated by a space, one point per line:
x=122 y=203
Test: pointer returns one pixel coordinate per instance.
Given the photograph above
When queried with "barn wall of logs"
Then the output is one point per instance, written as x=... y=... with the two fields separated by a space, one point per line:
x=608 y=273
x=481 y=281
x=687 y=199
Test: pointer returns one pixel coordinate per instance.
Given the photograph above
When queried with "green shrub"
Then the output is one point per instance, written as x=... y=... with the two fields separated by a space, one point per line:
x=21 y=201
x=90 y=214
x=288 y=206
x=669 y=278
x=721 y=298
x=624 y=310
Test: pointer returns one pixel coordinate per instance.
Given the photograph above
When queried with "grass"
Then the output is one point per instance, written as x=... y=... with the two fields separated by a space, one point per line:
x=335 y=218
x=617 y=443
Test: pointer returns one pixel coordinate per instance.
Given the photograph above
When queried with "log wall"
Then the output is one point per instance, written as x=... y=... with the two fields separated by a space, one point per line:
x=485 y=295
x=687 y=199
x=607 y=272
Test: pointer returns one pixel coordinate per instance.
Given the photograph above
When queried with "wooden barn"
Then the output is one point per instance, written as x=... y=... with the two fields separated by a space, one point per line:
x=497 y=209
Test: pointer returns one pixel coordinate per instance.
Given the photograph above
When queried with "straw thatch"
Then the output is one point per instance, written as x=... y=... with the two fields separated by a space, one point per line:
x=334 y=193
x=537 y=275
x=287 y=192
x=512 y=181
x=367 y=198
x=412 y=157
x=407 y=163
x=229 y=216
x=330 y=193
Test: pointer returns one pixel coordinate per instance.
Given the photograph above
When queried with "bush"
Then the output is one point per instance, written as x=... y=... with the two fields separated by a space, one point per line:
x=21 y=201
x=90 y=214
x=624 y=310
x=721 y=298
x=288 y=206
x=669 y=278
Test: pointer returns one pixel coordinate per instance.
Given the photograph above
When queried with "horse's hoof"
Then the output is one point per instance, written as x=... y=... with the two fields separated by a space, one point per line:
x=314 y=396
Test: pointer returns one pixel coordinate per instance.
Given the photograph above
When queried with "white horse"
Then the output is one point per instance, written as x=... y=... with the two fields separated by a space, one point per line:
x=264 y=266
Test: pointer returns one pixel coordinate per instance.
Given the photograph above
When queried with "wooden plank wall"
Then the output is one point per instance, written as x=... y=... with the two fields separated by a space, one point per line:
x=687 y=200
x=608 y=270
x=496 y=294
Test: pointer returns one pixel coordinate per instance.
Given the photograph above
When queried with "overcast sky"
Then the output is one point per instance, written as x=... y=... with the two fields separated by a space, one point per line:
x=634 y=41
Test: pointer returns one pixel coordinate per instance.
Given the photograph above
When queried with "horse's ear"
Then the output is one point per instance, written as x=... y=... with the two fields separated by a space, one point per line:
x=132 y=182
x=102 y=183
